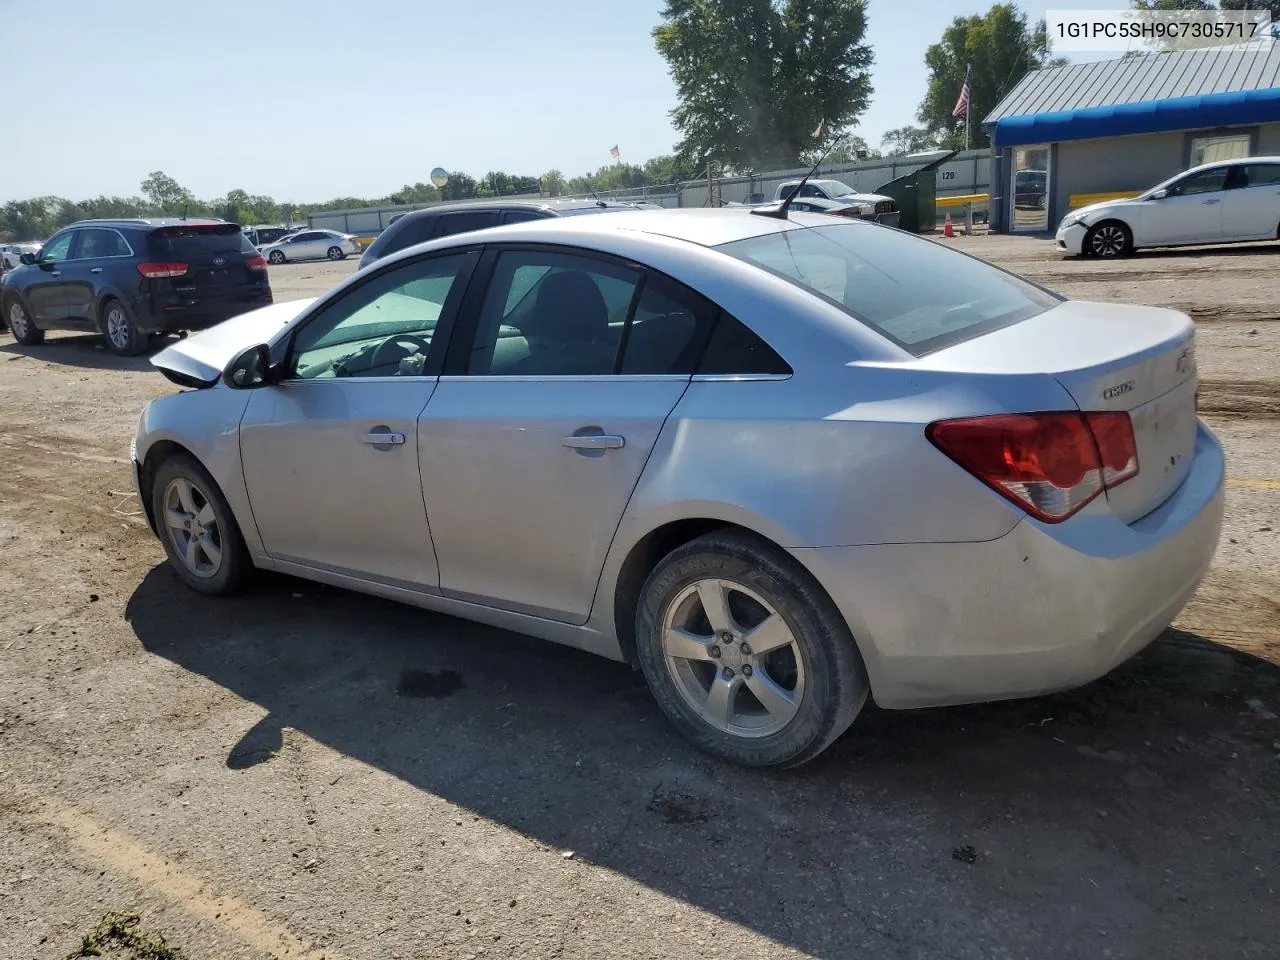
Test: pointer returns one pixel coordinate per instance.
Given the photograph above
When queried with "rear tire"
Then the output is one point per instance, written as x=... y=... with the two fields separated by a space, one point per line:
x=121 y=332
x=276 y=256
x=772 y=676
x=336 y=253
x=20 y=323
x=1108 y=239
x=197 y=528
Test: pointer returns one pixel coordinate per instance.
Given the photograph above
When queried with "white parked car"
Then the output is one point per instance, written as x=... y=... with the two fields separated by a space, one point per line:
x=1231 y=201
x=11 y=253
x=311 y=245
x=871 y=206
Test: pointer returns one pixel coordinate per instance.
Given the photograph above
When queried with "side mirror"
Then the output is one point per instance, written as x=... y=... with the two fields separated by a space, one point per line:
x=250 y=369
x=28 y=258
x=1159 y=195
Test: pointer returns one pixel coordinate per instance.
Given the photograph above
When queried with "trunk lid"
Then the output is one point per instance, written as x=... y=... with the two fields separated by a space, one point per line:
x=1108 y=357
x=215 y=254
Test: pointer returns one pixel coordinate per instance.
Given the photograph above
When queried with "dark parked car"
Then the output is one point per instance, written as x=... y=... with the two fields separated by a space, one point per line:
x=431 y=223
x=128 y=279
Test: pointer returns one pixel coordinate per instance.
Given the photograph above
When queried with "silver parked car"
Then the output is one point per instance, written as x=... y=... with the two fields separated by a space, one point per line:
x=778 y=464
x=311 y=245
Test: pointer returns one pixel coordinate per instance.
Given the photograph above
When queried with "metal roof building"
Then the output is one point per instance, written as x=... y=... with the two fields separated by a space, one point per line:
x=1068 y=135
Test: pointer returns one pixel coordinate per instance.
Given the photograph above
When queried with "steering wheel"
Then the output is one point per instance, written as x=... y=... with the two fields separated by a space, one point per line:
x=380 y=357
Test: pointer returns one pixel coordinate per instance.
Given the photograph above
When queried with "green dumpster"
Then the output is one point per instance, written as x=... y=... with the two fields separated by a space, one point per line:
x=916 y=194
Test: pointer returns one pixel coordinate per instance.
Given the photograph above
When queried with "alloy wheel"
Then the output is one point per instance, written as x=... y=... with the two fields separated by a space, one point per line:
x=17 y=321
x=733 y=658
x=335 y=253
x=118 y=327
x=192 y=526
x=1108 y=241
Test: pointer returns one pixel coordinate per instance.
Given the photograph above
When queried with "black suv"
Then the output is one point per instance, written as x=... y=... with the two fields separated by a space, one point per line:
x=128 y=279
x=431 y=223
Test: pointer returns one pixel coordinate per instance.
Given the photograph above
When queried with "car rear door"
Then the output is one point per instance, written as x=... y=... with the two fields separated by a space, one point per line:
x=330 y=453
x=1251 y=205
x=538 y=432
x=1190 y=213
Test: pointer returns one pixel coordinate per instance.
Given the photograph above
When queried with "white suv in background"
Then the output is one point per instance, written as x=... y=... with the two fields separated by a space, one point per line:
x=11 y=253
x=1230 y=201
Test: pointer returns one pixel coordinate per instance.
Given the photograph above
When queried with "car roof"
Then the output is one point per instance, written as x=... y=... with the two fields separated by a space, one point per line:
x=551 y=204
x=149 y=222
x=1236 y=162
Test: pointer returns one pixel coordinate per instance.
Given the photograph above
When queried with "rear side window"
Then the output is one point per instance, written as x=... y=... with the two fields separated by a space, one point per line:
x=915 y=292
x=667 y=330
x=188 y=241
x=521 y=216
x=98 y=242
x=1260 y=175
x=463 y=222
x=736 y=350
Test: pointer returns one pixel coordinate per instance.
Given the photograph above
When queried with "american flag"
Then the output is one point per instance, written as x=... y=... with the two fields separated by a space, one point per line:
x=613 y=152
x=962 y=104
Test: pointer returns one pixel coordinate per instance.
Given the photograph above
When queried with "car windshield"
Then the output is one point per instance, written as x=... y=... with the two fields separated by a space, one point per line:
x=917 y=293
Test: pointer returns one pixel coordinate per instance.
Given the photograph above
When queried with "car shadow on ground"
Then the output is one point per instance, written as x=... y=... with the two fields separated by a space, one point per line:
x=84 y=350
x=915 y=829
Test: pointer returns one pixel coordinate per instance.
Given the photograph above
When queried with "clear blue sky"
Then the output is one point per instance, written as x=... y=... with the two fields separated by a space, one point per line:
x=306 y=100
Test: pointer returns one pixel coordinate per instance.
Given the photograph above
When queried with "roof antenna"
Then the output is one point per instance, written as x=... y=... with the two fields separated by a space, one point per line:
x=779 y=211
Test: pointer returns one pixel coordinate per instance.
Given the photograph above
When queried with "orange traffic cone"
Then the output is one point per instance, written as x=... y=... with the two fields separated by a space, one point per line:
x=947 y=230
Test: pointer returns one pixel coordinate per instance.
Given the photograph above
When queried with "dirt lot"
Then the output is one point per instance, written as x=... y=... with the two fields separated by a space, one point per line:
x=307 y=773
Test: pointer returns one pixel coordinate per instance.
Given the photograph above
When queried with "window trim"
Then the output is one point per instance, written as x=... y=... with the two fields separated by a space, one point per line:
x=445 y=326
x=115 y=256
x=468 y=322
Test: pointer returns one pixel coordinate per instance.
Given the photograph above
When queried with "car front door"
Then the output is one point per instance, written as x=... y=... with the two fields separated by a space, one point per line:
x=544 y=420
x=330 y=453
x=1191 y=212
x=1251 y=205
x=45 y=294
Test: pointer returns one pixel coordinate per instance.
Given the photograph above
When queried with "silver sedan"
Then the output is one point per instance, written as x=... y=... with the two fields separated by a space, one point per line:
x=780 y=465
x=311 y=245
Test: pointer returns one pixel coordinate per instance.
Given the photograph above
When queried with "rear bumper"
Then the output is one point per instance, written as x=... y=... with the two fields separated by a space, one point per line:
x=171 y=313
x=1043 y=608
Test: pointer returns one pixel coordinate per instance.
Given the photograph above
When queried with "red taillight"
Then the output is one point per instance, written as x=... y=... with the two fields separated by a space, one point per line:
x=256 y=263
x=155 y=270
x=1049 y=464
x=848 y=212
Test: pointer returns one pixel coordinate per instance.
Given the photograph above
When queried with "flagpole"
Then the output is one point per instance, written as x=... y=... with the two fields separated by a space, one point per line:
x=968 y=107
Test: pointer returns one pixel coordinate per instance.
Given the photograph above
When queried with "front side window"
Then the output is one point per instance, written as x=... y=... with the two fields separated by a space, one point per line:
x=464 y=222
x=1207 y=181
x=552 y=314
x=383 y=328
x=57 y=249
x=918 y=293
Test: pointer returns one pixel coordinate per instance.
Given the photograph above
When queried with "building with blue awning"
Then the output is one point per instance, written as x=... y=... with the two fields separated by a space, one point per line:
x=1067 y=136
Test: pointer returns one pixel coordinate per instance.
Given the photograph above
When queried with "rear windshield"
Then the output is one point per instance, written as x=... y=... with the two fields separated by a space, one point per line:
x=578 y=211
x=917 y=293
x=194 y=240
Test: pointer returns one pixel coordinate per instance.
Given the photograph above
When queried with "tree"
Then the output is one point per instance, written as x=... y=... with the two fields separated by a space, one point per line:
x=849 y=150
x=907 y=139
x=165 y=193
x=1186 y=42
x=1000 y=47
x=459 y=187
x=669 y=168
x=552 y=183
x=756 y=77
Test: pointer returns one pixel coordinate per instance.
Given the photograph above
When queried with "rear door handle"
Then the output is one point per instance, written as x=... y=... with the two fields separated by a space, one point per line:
x=96 y=270
x=595 y=442
x=55 y=273
x=384 y=439
x=1214 y=201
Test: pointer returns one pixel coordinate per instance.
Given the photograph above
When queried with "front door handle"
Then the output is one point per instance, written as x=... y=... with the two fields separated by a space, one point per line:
x=595 y=441
x=96 y=270
x=1219 y=200
x=387 y=439
x=55 y=273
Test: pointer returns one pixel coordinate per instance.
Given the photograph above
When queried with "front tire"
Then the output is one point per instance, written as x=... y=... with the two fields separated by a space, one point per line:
x=1108 y=240
x=276 y=257
x=122 y=334
x=20 y=324
x=198 y=529
x=745 y=653
x=336 y=253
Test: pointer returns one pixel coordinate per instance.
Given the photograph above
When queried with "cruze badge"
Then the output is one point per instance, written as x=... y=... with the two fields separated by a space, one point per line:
x=1119 y=390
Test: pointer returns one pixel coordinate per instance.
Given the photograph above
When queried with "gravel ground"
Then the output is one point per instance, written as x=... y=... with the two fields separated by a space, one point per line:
x=303 y=772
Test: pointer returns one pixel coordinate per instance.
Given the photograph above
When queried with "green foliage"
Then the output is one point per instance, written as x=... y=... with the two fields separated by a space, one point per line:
x=1187 y=43
x=121 y=930
x=756 y=77
x=1001 y=47
x=907 y=139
